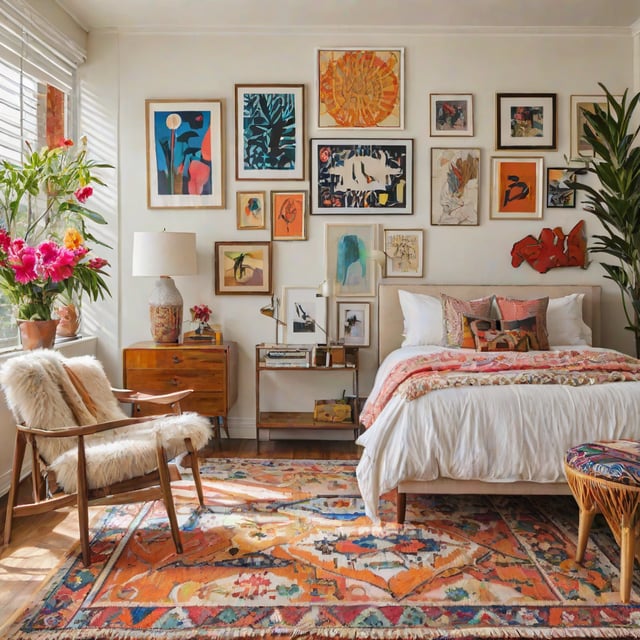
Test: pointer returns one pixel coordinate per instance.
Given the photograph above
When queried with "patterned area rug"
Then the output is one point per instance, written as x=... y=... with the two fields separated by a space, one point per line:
x=283 y=550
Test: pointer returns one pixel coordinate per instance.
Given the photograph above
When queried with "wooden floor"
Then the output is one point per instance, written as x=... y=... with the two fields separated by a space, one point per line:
x=40 y=543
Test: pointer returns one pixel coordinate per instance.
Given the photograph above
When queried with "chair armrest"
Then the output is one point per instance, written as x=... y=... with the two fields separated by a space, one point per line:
x=127 y=395
x=86 y=430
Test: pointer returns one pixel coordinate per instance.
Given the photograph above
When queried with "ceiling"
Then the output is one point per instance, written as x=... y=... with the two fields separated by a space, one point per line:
x=150 y=15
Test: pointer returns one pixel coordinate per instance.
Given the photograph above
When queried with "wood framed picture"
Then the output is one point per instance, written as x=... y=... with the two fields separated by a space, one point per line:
x=185 y=161
x=288 y=215
x=404 y=252
x=305 y=315
x=360 y=88
x=579 y=104
x=354 y=319
x=243 y=268
x=451 y=114
x=526 y=121
x=269 y=132
x=516 y=188
x=561 y=190
x=350 y=271
x=455 y=177
x=361 y=176
x=251 y=212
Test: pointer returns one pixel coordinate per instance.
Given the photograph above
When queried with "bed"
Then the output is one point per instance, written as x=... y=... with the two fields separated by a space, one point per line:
x=499 y=438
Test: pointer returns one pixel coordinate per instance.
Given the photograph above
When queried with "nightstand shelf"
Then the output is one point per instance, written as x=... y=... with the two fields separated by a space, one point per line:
x=299 y=359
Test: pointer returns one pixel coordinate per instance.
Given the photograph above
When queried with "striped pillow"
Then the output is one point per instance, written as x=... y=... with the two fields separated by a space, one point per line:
x=511 y=310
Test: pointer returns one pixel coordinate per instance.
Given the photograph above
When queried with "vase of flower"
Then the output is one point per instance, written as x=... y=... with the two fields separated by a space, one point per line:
x=37 y=334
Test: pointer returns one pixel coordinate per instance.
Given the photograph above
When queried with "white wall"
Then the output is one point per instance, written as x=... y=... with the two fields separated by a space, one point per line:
x=125 y=69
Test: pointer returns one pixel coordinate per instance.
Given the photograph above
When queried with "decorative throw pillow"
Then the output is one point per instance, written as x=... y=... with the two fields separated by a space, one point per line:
x=526 y=326
x=453 y=309
x=471 y=324
x=510 y=309
x=510 y=340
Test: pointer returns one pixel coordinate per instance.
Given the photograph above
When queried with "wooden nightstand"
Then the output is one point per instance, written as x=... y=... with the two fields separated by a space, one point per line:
x=210 y=370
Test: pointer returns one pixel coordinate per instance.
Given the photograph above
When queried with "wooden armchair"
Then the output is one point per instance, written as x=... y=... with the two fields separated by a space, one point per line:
x=84 y=445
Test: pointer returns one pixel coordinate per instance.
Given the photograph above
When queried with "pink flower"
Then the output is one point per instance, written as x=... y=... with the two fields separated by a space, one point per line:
x=61 y=266
x=5 y=240
x=23 y=262
x=83 y=193
x=97 y=263
x=65 y=142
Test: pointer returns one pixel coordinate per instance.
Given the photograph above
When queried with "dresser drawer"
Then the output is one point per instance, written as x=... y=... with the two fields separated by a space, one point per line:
x=174 y=359
x=207 y=404
x=167 y=380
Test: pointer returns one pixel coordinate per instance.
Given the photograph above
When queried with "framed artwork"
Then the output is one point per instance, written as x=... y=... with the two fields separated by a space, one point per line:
x=579 y=104
x=185 y=164
x=561 y=190
x=526 y=121
x=354 y=319
x=360 y=88
x=361 y=175
x=349 y=269
x=288 y=215
x=516 y=188
x=242 y=268
x=269 y=132
x=451 y=114
x=404 y=250
x=251 y=210
x=454 y=186
x=305 y=316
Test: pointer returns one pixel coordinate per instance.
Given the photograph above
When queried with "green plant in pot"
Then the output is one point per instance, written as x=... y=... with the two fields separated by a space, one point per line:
x=615 y=201
x=44 y=242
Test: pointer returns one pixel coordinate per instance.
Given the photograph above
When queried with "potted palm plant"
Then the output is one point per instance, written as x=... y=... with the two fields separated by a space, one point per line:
x=44 y=242
x=615 y=201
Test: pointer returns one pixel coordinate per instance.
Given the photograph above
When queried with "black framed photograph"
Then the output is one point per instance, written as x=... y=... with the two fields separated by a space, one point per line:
x=361 y=176
x=526 y=121
x=561 y=190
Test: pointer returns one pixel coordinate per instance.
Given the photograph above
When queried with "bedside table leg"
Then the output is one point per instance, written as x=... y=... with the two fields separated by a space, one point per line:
x=223 y=424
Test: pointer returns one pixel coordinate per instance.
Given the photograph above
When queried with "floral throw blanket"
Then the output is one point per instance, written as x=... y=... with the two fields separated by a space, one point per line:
x=417 y=376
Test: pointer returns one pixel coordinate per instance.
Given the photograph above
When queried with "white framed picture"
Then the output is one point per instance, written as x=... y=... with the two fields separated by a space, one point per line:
x=305 y=315
x=354 y=319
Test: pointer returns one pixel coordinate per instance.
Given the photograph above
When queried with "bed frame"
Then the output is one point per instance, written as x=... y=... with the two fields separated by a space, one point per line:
x=390 y=326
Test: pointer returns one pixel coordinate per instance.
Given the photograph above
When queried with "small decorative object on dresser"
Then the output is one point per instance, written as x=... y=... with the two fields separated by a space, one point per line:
x=210 y=370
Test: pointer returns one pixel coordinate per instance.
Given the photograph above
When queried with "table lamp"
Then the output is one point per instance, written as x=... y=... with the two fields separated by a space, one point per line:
x=164 y=254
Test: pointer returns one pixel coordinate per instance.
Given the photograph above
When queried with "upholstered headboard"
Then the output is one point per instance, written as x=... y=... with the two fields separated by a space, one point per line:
x=391 y=323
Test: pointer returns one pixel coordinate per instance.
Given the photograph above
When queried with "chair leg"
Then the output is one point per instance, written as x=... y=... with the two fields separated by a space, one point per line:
x=585 y=520
x=18 y=458
x=401 y=507
x=83 y=504
x=627 y=556
x=165 y=485
x=195 y=470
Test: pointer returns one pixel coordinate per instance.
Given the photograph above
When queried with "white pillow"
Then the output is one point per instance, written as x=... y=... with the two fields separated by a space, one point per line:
x=422 y=319
x=564 y=321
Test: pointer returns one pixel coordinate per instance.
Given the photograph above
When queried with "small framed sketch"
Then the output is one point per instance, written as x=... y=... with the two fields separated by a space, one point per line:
x=354 y=320
x=269 y=132
x=561 y=190
x=305 y=316
x=349 y=269
x=454 y=186
x=451 y=114
x=580 y=104
x=288 y=215
x=361 y=176
x=185 y=166
x=251 y=210
x=526 y=121
x=516 y=188
x=403 y=248
x=242 y=268
x=360 y=88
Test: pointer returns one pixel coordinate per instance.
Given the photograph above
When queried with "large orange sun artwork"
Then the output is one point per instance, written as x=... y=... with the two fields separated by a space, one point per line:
x=360 y=88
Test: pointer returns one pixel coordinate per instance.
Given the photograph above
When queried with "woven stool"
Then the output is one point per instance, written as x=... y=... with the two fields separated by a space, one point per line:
x=604 y=477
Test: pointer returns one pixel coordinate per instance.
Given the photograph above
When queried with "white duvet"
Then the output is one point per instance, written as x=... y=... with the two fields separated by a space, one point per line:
x=492 y=433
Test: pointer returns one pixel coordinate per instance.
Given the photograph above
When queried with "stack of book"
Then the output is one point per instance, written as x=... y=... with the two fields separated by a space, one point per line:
x=287 y=358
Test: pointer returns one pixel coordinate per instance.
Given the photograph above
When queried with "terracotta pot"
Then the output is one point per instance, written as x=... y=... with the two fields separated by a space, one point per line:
x=37 y=334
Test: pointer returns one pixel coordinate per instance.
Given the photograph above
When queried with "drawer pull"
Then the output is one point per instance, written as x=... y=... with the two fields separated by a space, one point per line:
x=176 y=359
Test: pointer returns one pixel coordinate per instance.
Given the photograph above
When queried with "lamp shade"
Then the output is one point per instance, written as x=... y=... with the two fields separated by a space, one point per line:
x=164 y=253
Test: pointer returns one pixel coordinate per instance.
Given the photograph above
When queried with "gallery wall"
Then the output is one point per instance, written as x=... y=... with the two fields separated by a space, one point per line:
x=125 y=69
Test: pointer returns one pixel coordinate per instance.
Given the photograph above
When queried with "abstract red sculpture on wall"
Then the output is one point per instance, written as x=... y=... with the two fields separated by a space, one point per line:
x=552 y=248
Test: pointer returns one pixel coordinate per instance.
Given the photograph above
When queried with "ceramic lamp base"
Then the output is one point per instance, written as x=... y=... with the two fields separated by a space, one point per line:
x=165 y=311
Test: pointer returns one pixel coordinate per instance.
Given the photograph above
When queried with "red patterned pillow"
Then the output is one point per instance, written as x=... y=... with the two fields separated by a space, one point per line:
x=453 y=309
x=470 y=324
x=511 y=309
x=494 y=340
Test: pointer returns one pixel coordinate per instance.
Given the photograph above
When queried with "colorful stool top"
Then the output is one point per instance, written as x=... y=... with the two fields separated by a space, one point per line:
x=613 y=460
